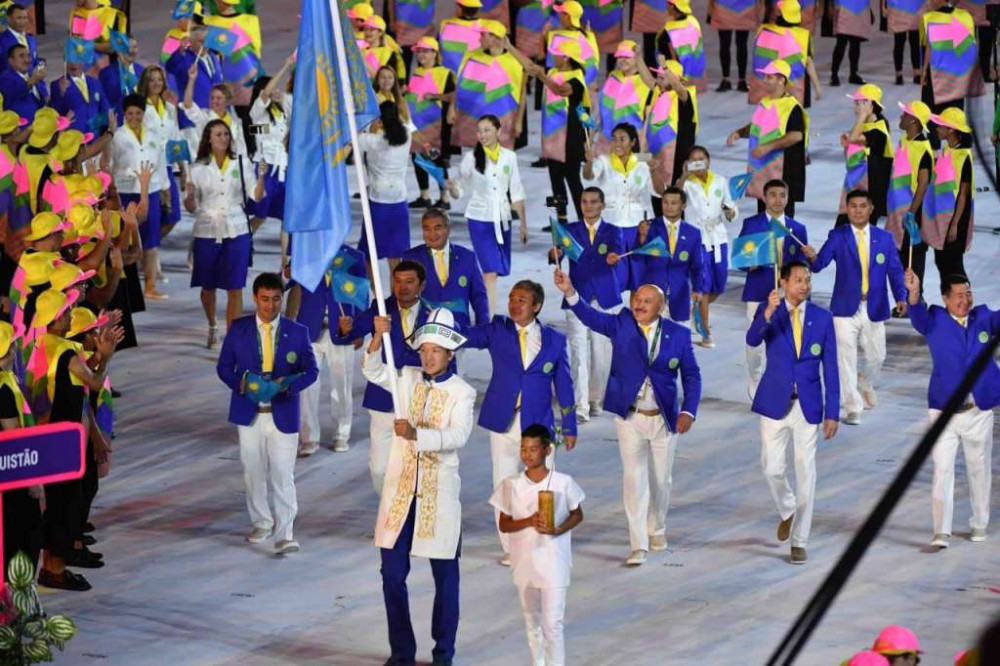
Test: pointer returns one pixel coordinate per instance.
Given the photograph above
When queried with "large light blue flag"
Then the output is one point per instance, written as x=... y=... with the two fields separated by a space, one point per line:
x=317 y=199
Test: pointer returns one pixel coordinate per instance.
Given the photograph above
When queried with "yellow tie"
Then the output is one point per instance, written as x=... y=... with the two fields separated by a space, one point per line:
x=797 y=330
x=863 y=256
x=403 y=312
x=21 y=39
x=963 y=322
x=522 y=340
x=329 y=277
x=592 y=231
x=267 y=350
x=442 y=268
x=81 y=83
x=672 y=237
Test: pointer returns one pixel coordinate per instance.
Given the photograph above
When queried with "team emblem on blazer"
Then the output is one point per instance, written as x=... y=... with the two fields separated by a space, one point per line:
x=602 y=248
x=983 y=336
x=547 y=368
x=463 y=281
x=880 y=258
x=683 y=256
x=506 y=169
x=674 y=362
x=792 y=249
x=815 y=349
x=291 y=357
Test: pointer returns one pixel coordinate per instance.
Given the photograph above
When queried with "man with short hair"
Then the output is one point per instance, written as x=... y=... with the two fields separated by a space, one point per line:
x=956 y=335
x=22 y=84
x=17 y=33
x=867 y=262
x=120 y=79
x=267 y=360
x=82 y=96
x=799 y=338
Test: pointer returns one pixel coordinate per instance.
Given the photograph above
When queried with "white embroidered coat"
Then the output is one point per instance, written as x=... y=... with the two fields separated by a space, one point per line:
x=426 y=470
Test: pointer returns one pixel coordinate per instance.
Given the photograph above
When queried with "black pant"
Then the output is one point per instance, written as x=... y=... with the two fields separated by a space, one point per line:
x=725 y=52
x=22 y=525
x=789 y=208
x=986 y=35
x=899 y=44
x=61 y=522
x=91 y=483
x=563 y=174
x=949 y=260
x=853 y=55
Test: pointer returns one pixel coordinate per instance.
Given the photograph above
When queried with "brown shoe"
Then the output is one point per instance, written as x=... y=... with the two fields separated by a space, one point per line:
x=785 y=528
x=798 y=555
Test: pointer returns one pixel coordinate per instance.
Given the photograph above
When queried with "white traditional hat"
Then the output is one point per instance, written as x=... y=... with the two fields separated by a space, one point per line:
x=439 y=330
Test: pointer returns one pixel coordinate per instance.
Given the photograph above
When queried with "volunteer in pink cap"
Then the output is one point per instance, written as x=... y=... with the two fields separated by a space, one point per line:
x=734 y=18
x=671 y=130
x=681 y=40
x=459 y=34
x=629 y=80
x=776 y=153
x=573 y=28
x=949 y=206
x=899 y=645
x=430 y=97
x=915 y=157
x=868 y=151
x=377 y=52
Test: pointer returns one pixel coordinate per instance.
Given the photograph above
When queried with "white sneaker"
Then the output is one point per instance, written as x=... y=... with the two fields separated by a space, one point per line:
x=941 y=541
x=341 y=446
x=707 y=342
x=286 y=546
x=505 y=560
x=977 y=535
x=306 y=449
x=637 y=558
x=257 y=535
x=870 y=398
x=581 y=417
x=596 y=409
x=852 y=418
x=657 y=543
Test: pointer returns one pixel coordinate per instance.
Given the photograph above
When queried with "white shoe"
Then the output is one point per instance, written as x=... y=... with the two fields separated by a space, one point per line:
x=582 y=417
x=941 y=541
x=657 y=543
x=637 y=558
x=341 y=446
x=505 y=560
x=257 y=535
x=213 y=337
x=596 y=409
x=286 y=546
x=852 y=418
x=306 y=449
x=870 y=398
x=707 y=342
x=977 y=535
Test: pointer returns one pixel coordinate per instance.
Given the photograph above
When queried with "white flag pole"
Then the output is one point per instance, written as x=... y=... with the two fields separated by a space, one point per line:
x=366 y=213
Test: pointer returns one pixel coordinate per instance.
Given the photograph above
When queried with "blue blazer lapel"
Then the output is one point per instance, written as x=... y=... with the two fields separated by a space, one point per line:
x=784 y=324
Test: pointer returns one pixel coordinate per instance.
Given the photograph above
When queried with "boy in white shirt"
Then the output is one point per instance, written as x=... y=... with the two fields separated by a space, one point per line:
x=541 y=555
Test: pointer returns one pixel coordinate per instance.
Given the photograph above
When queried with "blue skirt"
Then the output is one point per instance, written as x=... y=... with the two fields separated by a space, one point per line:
x=149 y=231
x=175 y=200
x=493 y=257
x=391 y=224
x=273 y=203
x=221 y=265
x=717 y=271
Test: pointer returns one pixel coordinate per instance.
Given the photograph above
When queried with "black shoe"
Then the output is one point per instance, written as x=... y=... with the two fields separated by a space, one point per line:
x=899 y=79
x=724 y=86
x=89 y=527
x=83 y=559
x=88 y=540
x=742 y=86
x=540 y=163
x=547 y=227
x=856 y=80
x=115 y=393
x=396 y=661
x=442 y=204
x=420 y=202
x=916 y=79
x=834 y=80
x=438 y=661
x=355 y=196
x=67 y=580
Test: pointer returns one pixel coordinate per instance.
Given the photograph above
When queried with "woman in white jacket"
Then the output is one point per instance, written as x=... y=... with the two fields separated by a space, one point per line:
x=161 y=119
x=709 y=207
x=489 y=173
x=219 y=107
x=216 y=195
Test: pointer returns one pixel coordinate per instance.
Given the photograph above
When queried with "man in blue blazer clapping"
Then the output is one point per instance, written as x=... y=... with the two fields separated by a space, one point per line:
x=530 y=362
x=956 y=334
x=649 y=353
x=597 y=283
x=867 y=261
x=800 y=344
x=267 y=360
x=23 y=85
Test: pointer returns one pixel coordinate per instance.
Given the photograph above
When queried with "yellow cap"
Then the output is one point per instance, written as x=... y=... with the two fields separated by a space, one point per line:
x=683 y=6
x=44 y=224
x=9 y=121
x=38 y=267
x=572 y=9
x=82 y=320
x=495 y=28
x=51 y=304
x=361 y=11
x=83 y=225
x=791 y=11
x=868 y=91
x=918 y=110
x=68 y=144
x=66 y=275
x=427 y=44
x=230 y=2
x=6 y=337
x=569 y=48
x=472 y=4
x=674 y=66
x=376 y=22
x=43 y=127
x=954 y=118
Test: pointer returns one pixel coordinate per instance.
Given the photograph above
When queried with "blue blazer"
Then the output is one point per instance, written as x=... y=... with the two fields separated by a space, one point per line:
x=241 y=354
x=630 y=364
x=785 y=373
x=377 y=398
x=548 y=370
x=83 y=110
x=953 y=350
x=591 y=275
x=883 y=265
x=7 y=40
x=177 y=67
x=315 y=305
x=465 y=283
x=111 y=80
x=18 y=98
x=760 y=281
x=678 y=274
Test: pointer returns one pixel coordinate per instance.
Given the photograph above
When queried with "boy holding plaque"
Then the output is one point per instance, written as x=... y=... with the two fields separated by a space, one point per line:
x=538 y=508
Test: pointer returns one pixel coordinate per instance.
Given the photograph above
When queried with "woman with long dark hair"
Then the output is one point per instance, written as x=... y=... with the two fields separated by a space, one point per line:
x=215 y=195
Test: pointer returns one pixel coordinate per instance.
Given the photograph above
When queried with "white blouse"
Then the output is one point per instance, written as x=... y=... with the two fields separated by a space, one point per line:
x=626 y=198
x=488 y=190
x=127 y=154
x=218 y=196
x=387 y=167
x=271 y=146
x=201 y=117
x=704 y=210
x=165 y=127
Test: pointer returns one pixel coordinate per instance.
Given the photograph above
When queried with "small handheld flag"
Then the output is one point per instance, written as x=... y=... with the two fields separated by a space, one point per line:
x=184 y=9
x=258 y=389
x=79 y=50
x=221 y=40
x=178 y=151
x=738 y=185
x=654 y=248
x=98 y=122
x=119 y=42
x=778 y=229
x=585 y=118
x=351 y=290
x=699 y=323
x=342 y=262
x=433 y=170
x=562 y=239
x=910 y=224
x=753 y=250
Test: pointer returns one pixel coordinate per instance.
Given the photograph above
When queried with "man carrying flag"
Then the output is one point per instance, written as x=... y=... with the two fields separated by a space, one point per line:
x=760 y=279
x=597 y=283
x=867 y=261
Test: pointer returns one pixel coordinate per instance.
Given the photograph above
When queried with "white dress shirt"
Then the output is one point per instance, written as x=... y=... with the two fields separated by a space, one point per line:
x=218 y=196
x=488 y=190
x=387 y=166
x=532 y=343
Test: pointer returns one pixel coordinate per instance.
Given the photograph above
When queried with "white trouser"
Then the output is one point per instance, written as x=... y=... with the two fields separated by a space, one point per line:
x=339 y=362
x=381 y=426
x=590 y=362
x=543 y=618
x=505 y=450
x=268 y=457
x=974 y=429
x=853 y=332
x=755 y=355
x=774 y=436
x=647 y=451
